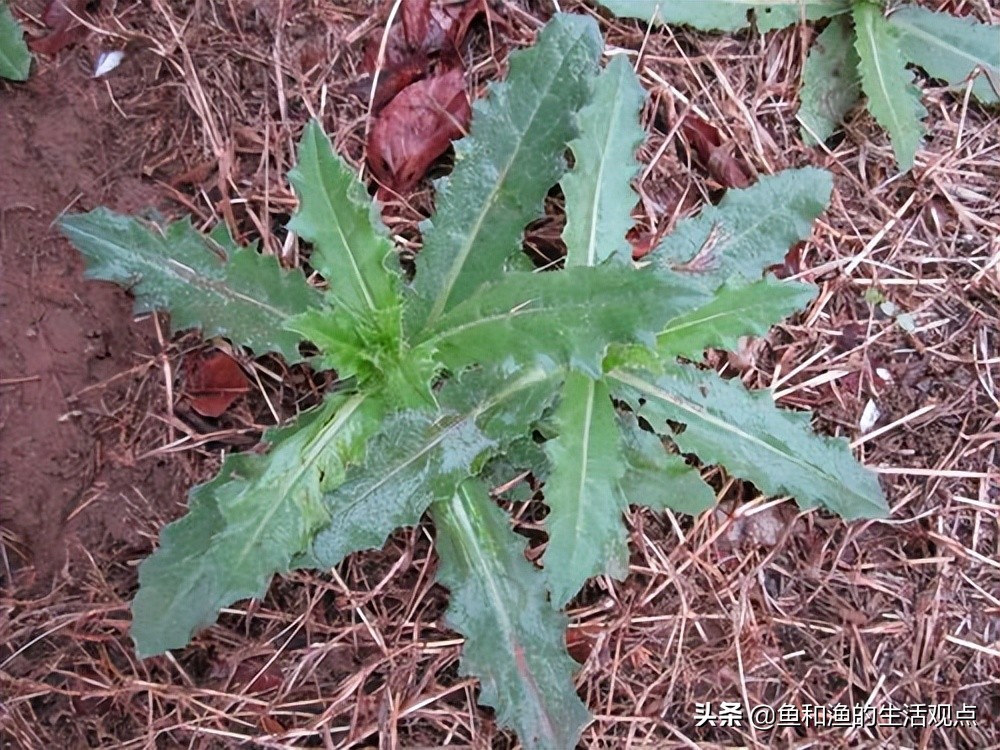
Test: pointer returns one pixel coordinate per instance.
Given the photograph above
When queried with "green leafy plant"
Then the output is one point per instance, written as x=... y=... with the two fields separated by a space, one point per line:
x=15 y=60
x=861 y=51
x=447 y=380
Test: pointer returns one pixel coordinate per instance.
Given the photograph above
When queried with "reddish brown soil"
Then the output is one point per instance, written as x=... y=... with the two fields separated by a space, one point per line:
x=61 y=336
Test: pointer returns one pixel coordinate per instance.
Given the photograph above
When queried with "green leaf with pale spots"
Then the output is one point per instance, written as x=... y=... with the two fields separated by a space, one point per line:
x=514 y=640
x=248 y=523
x=745 y=432
x=203 y=282
x=504 y=168
x=893 y=98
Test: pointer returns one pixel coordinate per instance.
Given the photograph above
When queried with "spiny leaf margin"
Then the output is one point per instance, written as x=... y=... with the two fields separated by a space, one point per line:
x=515 y=641
x=745 y=432
x=504 y=168
x=205 y=282
x=248 y=523
x=598 y=192
x=336 y=215
x=893 y=98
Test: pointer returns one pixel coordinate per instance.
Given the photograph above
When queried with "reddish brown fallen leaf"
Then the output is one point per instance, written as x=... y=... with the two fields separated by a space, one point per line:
x=416 y=22
x=581 y=641
x=417 y=127
x=792 y=263
x=454 y=19
x=390 y=82
x=703 y=137
x=214 y=382
x=60 y=17
x=724 y=169
x=713 y=155
x=426 y=33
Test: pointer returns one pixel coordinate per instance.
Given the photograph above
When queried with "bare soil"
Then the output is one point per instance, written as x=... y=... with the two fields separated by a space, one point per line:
x=68 y=345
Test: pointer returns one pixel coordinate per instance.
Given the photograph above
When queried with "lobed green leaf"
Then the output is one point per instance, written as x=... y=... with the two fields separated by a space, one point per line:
x=248 y=523
x=336 y=215
x=735 y=311
x=419 y=456
x=951 y=48
x=831 y=85
x=657 y=479
x=893 y=99
x=566 y=318
x=203 y=282
x=750 y=230
x=598 y=190
x=514 y=639
x=745 y=432
x=504 y=168
x=15 y=59
x=586 y=532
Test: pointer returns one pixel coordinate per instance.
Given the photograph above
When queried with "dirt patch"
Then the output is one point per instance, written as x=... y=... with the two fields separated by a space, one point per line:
x=62 y=336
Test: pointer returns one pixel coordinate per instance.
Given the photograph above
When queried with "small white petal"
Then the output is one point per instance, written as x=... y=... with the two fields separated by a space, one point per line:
x=869 y=416
x=108 y=61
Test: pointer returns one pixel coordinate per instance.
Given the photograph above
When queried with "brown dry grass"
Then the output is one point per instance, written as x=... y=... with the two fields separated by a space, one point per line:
x=754 y=603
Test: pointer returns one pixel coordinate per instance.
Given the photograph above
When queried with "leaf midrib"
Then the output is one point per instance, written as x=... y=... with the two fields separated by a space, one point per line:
x=362 y=282
x=451 y=278
x=184 y=273
x=591 y=258
x=657 y=392
x=310 y=455
x=584 y=459
x=473 y=552
x=520 y=311
x=899 y=125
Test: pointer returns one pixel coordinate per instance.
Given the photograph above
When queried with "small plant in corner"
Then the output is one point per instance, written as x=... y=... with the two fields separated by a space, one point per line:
x=861 y=50
x=443 y=380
